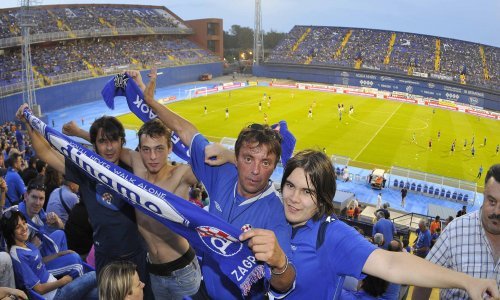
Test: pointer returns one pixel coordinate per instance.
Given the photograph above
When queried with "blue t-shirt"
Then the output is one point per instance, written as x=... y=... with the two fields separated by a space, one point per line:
x=262 y=211
x=115 y=232
x=385 y=227
x=424 y=240
x=55 y=202
x=319 y=271
x=15 y=186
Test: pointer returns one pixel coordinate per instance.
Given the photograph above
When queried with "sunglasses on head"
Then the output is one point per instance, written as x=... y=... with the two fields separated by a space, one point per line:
x=7 y=214
x=36 y=186
x=265 y=130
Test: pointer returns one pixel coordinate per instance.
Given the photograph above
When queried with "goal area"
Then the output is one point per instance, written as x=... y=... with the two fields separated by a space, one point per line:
x=196 y=92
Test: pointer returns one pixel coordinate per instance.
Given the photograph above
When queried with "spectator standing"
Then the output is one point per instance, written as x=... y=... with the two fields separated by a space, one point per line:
x=115 y=232
x=379 y=201
x=357 y=212
x=241 y=195
x=423 y=242
x=480 y=231
x=308 y=183
x=435 y=225
x=384 y=227
x=15 y=184
x=404 y=192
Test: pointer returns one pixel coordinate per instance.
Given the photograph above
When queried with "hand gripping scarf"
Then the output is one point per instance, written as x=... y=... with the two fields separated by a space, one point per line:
x=207 y=234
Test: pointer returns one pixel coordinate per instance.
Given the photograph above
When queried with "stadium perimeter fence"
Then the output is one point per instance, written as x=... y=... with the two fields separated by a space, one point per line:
x=431 y=185
x=447 y=188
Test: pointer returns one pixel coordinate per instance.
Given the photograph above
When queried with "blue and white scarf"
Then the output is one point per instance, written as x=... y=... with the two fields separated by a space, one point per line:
x=207 y=234
x=123 y=85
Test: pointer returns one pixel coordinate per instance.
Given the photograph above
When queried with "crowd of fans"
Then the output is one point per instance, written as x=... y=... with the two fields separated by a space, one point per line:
x=319 y=45
x=49 y=19
x=48 y=206
x=76 y=55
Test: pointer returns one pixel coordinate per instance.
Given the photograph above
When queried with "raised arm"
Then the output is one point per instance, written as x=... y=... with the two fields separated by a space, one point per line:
x=72 y=129
x=404 y=268
x=184 y=129
x=41 y=146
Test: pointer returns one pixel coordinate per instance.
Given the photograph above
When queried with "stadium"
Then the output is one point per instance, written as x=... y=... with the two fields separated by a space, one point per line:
x=423 y=110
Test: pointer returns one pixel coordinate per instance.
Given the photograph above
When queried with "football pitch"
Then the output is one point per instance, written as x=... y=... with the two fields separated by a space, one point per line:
x=378 y=134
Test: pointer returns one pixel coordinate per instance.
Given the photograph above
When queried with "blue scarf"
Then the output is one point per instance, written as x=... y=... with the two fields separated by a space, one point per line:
x=207 y=234
x=122 y=85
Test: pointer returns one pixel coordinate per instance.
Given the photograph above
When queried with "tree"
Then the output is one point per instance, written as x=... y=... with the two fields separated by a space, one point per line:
x=239 y=39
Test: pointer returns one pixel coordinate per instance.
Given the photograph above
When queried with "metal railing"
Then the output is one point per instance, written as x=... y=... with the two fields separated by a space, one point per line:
x=437 y=180
x=91 y=33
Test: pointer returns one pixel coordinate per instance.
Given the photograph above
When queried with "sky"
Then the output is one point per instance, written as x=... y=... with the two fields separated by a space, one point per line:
x=470 y=20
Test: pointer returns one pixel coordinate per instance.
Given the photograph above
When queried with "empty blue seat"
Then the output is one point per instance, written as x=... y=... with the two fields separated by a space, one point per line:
x=413 y=186
x=436 y=192
x=419 y=188
x=454 y=196
x=442 y=193
x=431 y=190
x=407 y=185
x=448 y=194
x=426 y=188
x=466 y=197
x=401 y=184
x=460 y=197
x=396 y=183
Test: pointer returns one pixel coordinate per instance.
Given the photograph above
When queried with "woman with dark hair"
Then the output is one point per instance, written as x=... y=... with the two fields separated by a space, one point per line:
x=30 y=269
x=323 y=249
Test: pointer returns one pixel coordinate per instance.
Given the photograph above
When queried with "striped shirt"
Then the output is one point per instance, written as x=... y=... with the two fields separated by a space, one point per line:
x=464 y=247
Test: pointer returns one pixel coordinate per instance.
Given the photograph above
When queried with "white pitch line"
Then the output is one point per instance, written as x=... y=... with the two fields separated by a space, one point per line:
x=376 y=133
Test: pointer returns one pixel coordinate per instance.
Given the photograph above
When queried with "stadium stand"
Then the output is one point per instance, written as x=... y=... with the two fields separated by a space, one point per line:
x=71 y=42
x=397 y=52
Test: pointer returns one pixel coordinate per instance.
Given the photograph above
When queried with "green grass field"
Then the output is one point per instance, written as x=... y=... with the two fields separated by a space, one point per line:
x=379 y=133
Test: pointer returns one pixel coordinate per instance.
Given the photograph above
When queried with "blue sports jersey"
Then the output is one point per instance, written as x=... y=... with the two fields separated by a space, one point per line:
x=16 y=187
x=53 y=239
x=262 y=211
x=319 y=271
x=29 y=268
x=115 y=232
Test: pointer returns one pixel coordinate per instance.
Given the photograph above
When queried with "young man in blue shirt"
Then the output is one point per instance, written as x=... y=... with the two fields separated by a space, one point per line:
x=15 y=184
x=240 y=195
